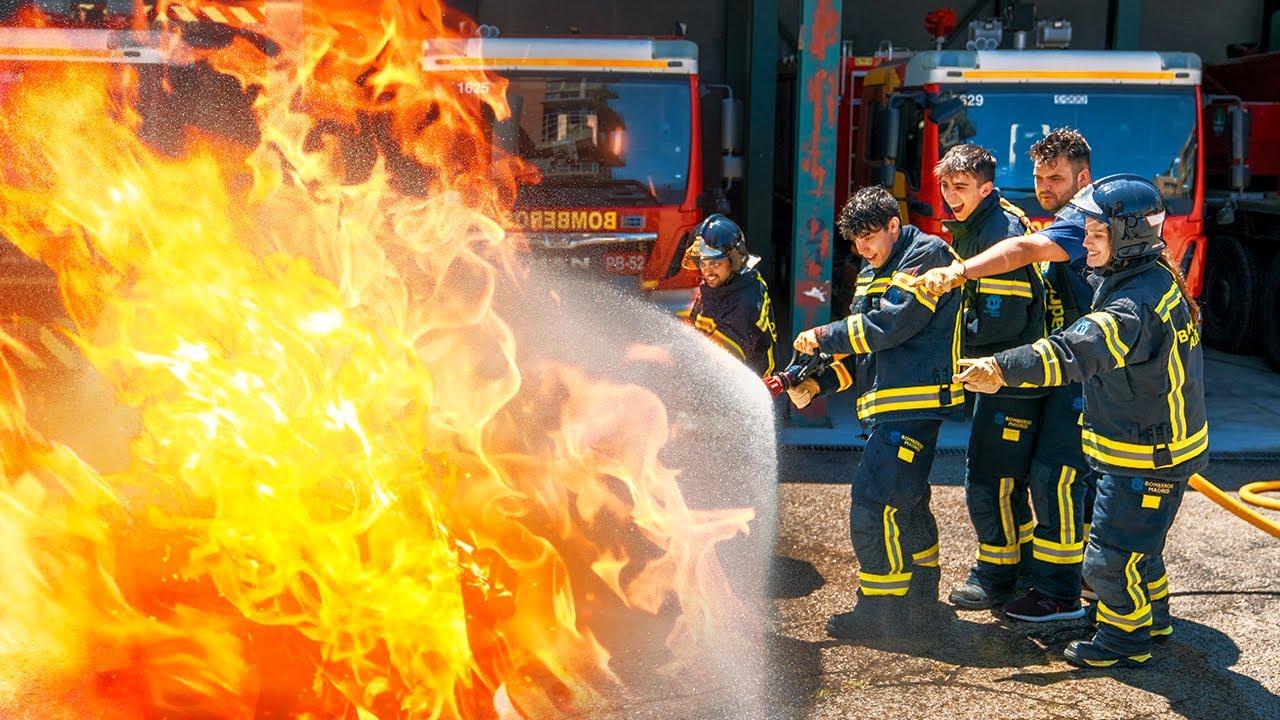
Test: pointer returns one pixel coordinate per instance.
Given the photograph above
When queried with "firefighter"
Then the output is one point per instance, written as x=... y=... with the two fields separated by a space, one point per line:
x=903 y=344
x=732 y=304
x=1000 y=312
x=1145 y=431
x=1061 y=482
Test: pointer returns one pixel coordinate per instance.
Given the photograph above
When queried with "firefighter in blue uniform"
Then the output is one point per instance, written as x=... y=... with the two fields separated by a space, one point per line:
x=1000 y=312
x=903 y=343
x=1145 y=431
x=1061 y=481
x=732 y=304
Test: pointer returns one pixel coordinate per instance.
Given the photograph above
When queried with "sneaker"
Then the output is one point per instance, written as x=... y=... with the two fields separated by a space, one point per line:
x=971 y=595
x=1035 y=606
x=1087 y=592
x=1087 y=654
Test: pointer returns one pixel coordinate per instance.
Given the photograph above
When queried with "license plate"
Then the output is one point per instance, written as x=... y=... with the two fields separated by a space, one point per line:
x=624 y=263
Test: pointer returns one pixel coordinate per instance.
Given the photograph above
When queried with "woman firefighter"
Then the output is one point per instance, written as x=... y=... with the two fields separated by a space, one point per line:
x=1145 y=431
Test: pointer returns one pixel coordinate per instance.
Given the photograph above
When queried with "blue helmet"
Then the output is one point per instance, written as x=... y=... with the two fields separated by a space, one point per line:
x=1133 y=209
x=719 y=237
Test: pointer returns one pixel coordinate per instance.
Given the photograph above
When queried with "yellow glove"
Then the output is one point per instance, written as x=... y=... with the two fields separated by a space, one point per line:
x=807 y=342
x=940 y=281
x=982 y=375
x=802 y=394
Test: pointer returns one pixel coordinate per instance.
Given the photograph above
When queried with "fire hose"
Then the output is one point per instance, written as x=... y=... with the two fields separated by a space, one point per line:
x=1248 y=493
x=803 y=367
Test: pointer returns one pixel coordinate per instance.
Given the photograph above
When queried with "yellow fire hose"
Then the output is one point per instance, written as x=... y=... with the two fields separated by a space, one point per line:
x=1249 y=493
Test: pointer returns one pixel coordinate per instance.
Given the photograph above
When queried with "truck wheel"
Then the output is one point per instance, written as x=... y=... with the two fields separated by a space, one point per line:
x=1230 y=293
x=1269 y=320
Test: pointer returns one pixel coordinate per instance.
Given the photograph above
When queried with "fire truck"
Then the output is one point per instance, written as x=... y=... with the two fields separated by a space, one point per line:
x=1139 y=110
x=175 y=91
x=612 y=127
x=1242 y=147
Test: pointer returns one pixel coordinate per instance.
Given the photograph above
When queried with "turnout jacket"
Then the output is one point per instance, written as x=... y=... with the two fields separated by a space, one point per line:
x=738 y=315
x=903 y=341
x=1001 y=311
x=1138 y=354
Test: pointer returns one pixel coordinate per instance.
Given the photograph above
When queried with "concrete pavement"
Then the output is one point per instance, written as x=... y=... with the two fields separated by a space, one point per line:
x=1222 y=662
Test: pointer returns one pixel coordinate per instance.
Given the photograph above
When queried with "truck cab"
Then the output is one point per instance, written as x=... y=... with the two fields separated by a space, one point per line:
x=1140 y=112
x=611 y=127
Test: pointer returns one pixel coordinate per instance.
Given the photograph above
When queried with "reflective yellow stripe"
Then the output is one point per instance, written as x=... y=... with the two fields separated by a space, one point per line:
x=1049 y=361
x=1011 y=288
x=1133 y=585
x=842 y=374
x=1158 y=589
x=999 y=554
x=921 y=397
x=1057 y=553
x=856 y=326
x=1142 y=457
x=903 y=281
x=892 y=547
x=1025 y=532
x=729 y=344
x=1066 y=508
x=1005 y=502
x=868 y=286
x=926 y=558
x=1111 y=334
x=1129 y=622
x=1165 y=307
x=889 y=584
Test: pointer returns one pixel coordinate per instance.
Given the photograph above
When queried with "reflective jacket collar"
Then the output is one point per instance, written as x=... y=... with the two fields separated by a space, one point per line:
x=964 y=230
x=736 y=284
x=907 y=235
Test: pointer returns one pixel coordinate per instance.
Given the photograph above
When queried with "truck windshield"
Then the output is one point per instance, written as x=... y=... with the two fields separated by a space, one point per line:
x=1148 y=132
x=600 y=139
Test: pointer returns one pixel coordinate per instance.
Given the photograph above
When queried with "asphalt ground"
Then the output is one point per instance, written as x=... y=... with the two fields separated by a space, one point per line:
x=1223 y=660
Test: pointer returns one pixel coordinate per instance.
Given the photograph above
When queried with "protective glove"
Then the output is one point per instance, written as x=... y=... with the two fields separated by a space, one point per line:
x=802 y=394
x=807 y=342
x=940 y=281
x=982 y=375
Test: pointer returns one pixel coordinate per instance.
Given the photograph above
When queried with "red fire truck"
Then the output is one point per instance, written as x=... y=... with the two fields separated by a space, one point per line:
x=612 y=126
x=174 y=91
x=1242 y=147
x=1139 y=110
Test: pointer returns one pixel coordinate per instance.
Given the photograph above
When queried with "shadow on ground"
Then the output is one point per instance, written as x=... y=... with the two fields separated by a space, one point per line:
x=1192 y=670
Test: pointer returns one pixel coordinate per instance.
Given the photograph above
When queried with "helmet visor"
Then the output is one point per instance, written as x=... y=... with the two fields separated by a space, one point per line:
x=1085 y=204
x=707 y=251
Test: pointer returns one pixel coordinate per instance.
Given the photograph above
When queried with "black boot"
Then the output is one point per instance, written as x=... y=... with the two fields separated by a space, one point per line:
x=872 y=617
x=925 y=614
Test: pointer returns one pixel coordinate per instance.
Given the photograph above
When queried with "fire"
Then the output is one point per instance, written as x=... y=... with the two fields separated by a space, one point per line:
x=347 y=497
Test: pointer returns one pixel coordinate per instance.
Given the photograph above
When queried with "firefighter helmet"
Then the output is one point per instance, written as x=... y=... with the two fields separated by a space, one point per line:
x=1133 y=209
x=719 y=237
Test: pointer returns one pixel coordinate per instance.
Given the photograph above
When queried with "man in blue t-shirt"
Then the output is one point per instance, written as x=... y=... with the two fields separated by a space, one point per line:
x=1060 y=481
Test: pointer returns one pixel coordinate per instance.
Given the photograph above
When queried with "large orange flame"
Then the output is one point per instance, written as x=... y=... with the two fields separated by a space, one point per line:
x=346 y=497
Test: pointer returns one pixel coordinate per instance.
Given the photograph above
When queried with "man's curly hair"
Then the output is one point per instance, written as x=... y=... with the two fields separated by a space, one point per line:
x=870 y=209
x=1063 y=142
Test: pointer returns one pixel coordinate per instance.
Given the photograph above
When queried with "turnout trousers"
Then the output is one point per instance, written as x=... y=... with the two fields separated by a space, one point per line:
x=890 y=524
x=1062 y=495
x=1001 y=443
x=1124 y=561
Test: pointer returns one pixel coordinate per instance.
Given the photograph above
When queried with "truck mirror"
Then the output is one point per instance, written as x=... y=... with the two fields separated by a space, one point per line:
x=1239 y=119
x=942 y=109
x=712 y=200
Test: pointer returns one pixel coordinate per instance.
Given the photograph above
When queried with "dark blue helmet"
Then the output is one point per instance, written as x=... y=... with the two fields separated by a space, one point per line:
x=719 y=237
x=1133 y=208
